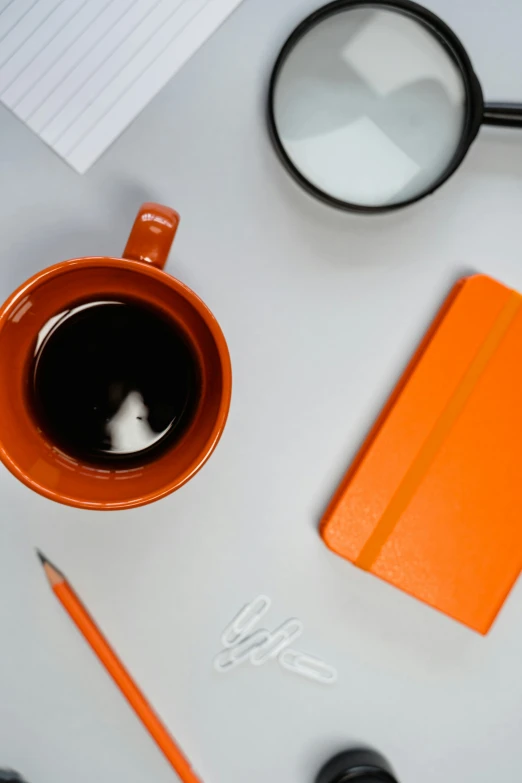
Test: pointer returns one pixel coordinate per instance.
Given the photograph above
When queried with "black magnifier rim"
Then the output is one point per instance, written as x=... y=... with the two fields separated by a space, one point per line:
x=449 y=41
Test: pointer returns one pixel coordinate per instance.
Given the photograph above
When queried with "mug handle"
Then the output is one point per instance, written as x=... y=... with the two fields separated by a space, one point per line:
x=152 y=234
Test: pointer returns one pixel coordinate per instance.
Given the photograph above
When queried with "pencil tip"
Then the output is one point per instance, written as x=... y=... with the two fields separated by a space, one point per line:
x=53 y=574
x=41 y=557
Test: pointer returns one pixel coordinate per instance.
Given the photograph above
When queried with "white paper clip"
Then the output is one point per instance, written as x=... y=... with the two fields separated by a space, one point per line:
x=279 y=639
x=229 y=658
x=308 y=666
x=245 y=620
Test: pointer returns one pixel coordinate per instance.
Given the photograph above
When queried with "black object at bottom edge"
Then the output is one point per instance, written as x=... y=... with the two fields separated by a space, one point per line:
x=359 y=765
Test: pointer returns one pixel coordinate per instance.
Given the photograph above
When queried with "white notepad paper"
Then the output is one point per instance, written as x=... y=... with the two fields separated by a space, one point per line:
x=77 y=72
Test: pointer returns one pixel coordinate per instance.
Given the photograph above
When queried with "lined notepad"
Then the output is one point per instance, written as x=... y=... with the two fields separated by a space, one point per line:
x=77 y=72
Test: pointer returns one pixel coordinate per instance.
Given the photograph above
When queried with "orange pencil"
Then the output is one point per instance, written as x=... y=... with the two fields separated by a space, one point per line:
x=86 y=625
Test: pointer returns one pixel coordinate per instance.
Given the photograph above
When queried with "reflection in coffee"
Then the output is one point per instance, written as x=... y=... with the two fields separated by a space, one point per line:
x=114 y=382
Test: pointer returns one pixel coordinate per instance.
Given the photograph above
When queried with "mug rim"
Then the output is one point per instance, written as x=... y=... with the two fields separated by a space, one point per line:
x=149 y=270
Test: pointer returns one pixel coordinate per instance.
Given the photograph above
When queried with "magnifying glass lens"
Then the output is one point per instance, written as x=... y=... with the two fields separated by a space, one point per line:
x=369 y=106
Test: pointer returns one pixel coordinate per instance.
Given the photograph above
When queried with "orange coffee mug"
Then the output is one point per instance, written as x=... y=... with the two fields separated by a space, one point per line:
x=28 y=452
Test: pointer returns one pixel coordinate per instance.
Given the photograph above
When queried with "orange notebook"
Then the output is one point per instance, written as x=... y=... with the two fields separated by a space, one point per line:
x=433 y=501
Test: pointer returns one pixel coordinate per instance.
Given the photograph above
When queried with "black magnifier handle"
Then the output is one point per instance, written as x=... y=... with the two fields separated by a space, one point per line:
x=507 y=115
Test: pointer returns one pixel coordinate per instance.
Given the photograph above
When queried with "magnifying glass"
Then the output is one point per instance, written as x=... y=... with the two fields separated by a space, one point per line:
x=373 y=105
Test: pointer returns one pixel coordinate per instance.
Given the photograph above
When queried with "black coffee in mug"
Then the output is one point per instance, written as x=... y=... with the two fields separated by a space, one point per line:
x=114 y=382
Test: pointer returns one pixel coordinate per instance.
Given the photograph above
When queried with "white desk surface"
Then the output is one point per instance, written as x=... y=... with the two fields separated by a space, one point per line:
x=321 y=310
